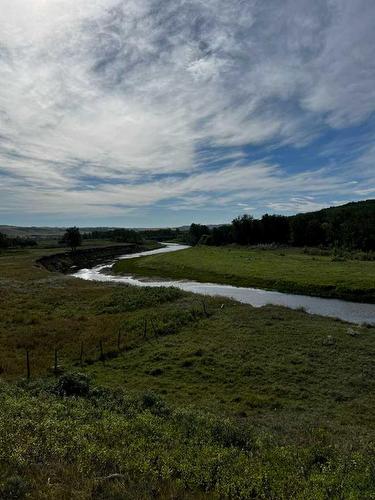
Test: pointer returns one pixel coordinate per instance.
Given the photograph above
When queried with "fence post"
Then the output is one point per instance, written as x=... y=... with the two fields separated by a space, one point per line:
x=204 y=309
x=55 y=368
x=145 y=329
x=101 y=351
x=153 y=327
x=27 y=364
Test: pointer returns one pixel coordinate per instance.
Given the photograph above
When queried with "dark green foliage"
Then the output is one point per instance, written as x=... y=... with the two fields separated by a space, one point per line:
x=274 y=229
x=17 y=242
x=164 y=234
x=206 y=239
x=222 y=235
x=73 y=384
x=153 y=402
x=14 y=488
x=243 y=230
x=351 y=226
x=72 y=238
x=118 y=235
x=3 y=241
x=196 y=232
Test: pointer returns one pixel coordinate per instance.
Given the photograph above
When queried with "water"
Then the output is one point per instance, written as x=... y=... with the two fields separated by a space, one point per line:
x=348 y=311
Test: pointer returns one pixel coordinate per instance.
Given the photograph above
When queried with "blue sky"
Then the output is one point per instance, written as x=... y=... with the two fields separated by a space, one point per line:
x=158 y=113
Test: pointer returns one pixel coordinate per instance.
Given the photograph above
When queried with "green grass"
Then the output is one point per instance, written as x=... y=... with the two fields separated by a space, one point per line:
x=62 y=448
x=268 y=364
x=211 y=400
x=286 y=270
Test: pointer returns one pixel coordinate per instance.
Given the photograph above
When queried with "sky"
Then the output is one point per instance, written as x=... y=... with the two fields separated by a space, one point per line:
x=142 y=113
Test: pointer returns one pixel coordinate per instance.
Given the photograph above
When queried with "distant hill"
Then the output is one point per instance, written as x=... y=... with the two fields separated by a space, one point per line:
x=32 y=232
x=351 y=225
x=352 y=209
x=42 y=232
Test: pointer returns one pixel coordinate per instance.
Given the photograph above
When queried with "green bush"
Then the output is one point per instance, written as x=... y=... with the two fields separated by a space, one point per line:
x=14 y=488
x=73 y=384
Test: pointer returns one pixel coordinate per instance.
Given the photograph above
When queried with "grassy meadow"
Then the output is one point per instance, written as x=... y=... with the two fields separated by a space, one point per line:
x=283 y=269
x=185 y=397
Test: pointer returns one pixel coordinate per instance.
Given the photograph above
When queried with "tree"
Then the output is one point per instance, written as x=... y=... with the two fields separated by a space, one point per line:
x=72 y=238
x=243 y=229
x=196 y=231
x=275 y=229
x=4 y=242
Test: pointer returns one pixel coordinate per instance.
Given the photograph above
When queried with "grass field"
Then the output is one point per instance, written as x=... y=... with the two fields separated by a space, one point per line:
x=191 y=399
x=285 y=270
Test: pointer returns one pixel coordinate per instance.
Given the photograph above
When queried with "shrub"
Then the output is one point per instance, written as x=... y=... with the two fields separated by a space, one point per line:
x=14 y=487
x=155 y=404
x=73 y=384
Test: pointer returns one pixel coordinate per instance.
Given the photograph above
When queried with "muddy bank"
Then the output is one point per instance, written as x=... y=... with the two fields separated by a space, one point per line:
x=85 y=258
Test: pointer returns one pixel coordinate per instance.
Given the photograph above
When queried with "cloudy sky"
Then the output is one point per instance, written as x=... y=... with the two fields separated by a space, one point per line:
x=163 y=112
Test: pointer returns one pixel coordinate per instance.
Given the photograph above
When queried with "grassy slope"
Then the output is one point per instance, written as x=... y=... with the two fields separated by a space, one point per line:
x=310 y=406
x=288 y=270
x=64 y=448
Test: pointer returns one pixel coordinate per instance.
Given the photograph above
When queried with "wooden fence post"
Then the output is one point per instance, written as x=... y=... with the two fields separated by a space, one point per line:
x=153 y=327
x=56 y=364
x=101 y=351
x=145 y=329
x=27 y=364
x=204 y=309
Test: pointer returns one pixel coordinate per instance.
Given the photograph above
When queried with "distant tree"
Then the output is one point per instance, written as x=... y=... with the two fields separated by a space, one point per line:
x=72 y=238
x=222 y=235
x=196 y=232
x=274 y=229
x=206 y=239
x=243 y=229
x=4 y=242
x=315 y=234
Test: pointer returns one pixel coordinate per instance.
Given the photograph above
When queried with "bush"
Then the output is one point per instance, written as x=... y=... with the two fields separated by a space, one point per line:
x=14 y=487
x=155 y=404
x=73 y=384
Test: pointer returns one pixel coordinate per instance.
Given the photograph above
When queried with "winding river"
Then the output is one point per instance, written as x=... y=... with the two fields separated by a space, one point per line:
x=348 y=311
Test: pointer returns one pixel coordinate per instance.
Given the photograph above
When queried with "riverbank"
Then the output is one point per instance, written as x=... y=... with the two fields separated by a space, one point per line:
x=88 y=257
x=287 y=270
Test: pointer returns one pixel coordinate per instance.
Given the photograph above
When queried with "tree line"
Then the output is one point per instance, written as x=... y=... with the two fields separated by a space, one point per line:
x=17 y=242
x=136 y=236
x=350 y=226
x=117 y=235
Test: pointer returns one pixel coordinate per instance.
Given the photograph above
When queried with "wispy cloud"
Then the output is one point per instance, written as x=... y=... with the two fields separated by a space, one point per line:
x=110 y=105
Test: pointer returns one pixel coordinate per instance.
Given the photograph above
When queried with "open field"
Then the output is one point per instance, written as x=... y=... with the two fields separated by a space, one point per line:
x=200 y=399
x=285 y=270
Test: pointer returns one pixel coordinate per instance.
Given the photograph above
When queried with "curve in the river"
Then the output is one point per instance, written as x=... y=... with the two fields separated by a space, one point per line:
x=348 y=311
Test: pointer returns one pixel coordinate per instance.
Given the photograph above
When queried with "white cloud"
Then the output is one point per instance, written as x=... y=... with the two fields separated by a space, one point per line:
x=94 y=91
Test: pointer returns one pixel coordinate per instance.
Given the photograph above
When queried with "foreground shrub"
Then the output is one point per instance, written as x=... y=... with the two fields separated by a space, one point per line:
x=73 y=384
x=14 y=488
x=107 y=446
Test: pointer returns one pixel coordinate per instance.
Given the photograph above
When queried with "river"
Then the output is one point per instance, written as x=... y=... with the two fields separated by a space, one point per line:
x=353 y=312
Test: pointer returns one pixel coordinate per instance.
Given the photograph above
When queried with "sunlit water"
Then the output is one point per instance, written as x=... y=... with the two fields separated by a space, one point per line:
x=348 y=311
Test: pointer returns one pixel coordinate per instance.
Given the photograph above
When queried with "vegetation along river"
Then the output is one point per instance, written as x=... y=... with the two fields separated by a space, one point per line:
x=353 y=312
